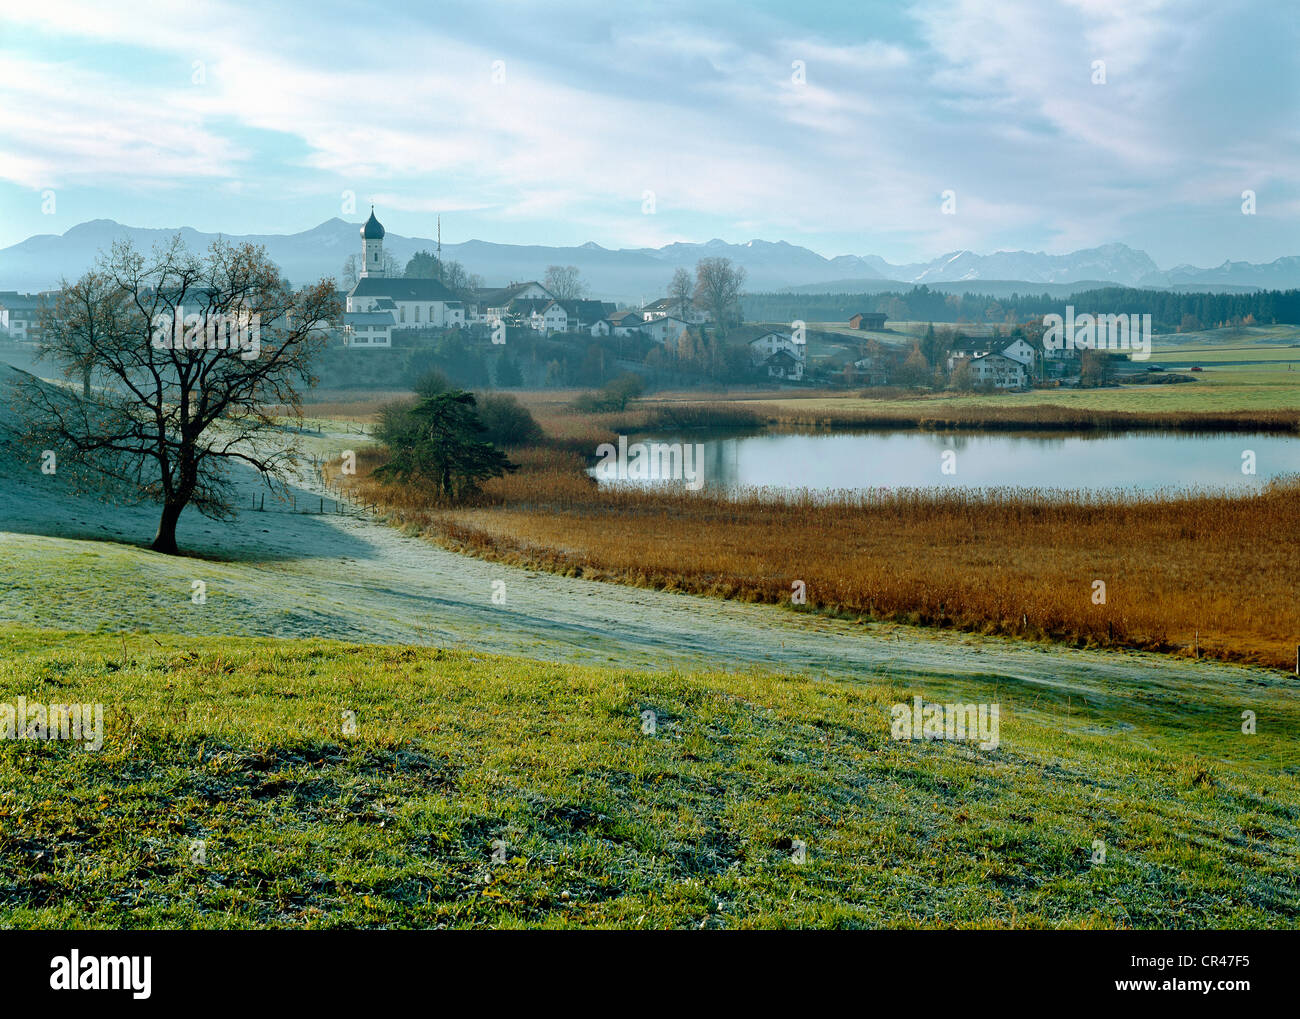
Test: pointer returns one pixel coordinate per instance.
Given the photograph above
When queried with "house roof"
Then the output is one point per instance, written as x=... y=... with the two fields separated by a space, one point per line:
x=15 y=301
x=501 y=296
x=585 y=310
x=526 y=305
x=368 y=318
x=401 y=288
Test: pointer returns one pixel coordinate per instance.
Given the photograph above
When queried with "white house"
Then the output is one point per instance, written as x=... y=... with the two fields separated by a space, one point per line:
x=998 y=371
x=625 y=323
x=413 y=303
x=554 y=318
x=19 y=314
x=368 y=329
x=505 y=301
x=662 y=330
x=1020 y=351
x=778 y=354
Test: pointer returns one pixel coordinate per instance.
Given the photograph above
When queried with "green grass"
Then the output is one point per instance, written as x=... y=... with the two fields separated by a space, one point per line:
x=239 y=743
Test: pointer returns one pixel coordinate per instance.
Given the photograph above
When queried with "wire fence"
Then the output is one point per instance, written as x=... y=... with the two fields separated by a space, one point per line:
x=335 y=502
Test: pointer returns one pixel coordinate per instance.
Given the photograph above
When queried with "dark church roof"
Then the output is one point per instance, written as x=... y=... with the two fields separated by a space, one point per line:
x=373 y=229
x=402 y=288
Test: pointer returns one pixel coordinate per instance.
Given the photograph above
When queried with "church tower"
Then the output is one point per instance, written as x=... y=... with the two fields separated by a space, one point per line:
x=372 y=247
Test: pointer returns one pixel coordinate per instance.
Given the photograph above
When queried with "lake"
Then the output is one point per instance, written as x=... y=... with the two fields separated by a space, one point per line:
x=1132 y=460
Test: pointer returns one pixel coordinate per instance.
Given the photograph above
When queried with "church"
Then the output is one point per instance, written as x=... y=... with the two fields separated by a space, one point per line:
x=378 y=305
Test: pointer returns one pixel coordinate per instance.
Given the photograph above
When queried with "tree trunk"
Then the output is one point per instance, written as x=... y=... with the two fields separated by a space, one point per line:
x=165 y=540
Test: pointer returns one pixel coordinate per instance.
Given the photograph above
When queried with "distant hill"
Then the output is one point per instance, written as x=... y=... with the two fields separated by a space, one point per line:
x=1001 y=288
x=632 y=274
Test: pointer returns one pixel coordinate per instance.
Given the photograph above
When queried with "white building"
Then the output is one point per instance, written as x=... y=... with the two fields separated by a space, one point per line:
x=368 y=329
x=19 y=315
x=779 y=355
x=554 y=318
x=413 y=303
x=1020 y=351
x=998 y=371
x=663 y=330
x=625 y=323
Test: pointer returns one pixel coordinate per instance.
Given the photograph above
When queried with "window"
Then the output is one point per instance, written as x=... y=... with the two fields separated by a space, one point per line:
x=402 y=313
x=417 y=313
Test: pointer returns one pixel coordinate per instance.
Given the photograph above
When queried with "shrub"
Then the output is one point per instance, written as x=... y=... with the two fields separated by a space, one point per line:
x=506 y=421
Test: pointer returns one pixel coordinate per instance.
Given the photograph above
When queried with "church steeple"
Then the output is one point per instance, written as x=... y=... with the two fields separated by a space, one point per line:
x=372 y=246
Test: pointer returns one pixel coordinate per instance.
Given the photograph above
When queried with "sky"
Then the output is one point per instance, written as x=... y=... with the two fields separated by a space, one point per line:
x=845 y=127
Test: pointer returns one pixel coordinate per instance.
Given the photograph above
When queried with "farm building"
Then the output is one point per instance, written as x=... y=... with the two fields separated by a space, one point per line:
x=868 y=320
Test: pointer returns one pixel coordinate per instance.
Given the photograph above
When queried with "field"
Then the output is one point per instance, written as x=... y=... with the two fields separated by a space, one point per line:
x=1201 y=574
x=485 y=791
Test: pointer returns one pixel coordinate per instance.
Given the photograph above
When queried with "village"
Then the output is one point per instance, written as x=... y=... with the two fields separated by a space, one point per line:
x=548 y=333
x=675 y=338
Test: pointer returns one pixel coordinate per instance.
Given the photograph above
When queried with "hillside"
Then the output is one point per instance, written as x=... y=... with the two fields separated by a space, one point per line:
x=227 y=794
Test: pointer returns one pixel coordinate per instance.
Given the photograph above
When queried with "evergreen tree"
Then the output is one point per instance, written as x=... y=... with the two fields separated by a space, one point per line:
x=508 y=375
x=439 y=441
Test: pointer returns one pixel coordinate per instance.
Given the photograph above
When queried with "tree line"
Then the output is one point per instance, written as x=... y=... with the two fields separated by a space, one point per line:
x=1169 y=310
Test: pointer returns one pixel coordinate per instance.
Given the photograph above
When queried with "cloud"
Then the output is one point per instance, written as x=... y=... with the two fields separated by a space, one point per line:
x=698 y=105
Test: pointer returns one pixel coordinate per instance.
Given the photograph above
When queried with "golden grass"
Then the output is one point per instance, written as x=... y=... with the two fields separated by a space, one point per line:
x=1197 y=573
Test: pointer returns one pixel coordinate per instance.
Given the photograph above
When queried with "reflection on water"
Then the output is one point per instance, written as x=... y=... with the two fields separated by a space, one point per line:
x=1142 y=460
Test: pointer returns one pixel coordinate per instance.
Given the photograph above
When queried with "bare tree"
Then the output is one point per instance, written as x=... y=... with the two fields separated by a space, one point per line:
x=681 y=293
x=191 y=355
x=349 y=274
x=718 y=284
x=565 y=282
x=456 y=279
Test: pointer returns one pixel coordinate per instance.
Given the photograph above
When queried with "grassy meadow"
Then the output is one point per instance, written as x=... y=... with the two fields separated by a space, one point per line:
x=482 y=791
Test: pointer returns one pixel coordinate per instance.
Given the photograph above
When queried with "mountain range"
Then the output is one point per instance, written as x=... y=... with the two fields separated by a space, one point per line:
x=632 y=274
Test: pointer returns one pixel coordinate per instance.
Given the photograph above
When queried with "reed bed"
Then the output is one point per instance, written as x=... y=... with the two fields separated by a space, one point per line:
x=1193 y=572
